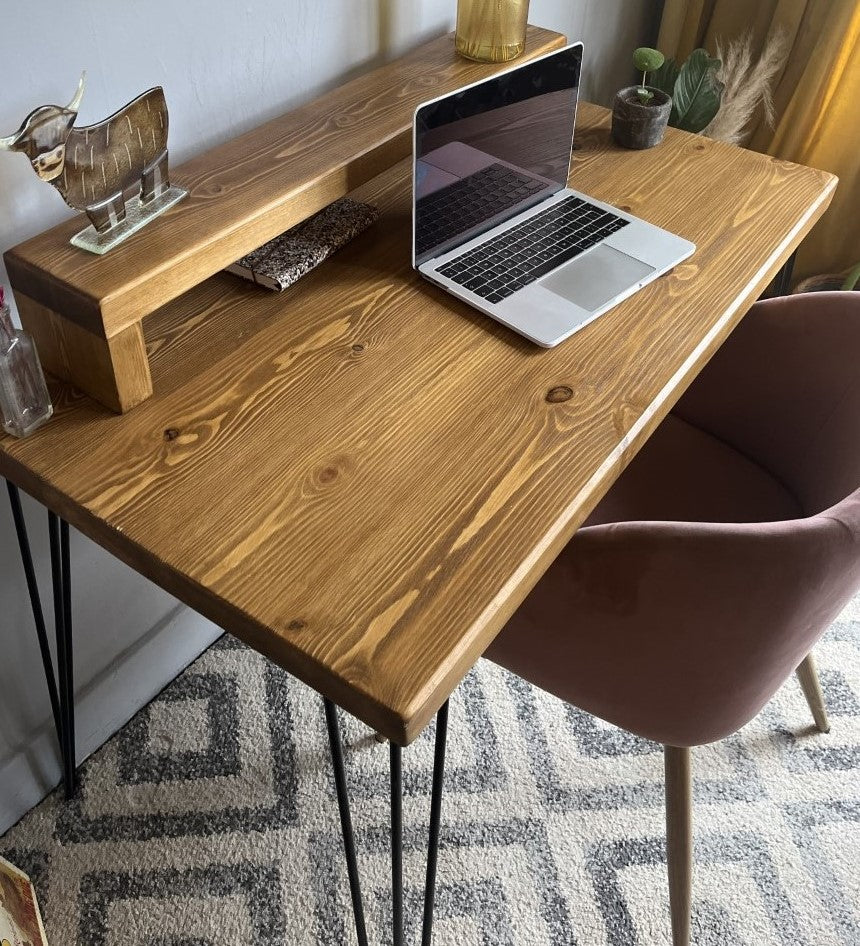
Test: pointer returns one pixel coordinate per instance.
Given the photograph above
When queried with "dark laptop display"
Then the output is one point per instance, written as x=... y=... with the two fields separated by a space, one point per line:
x=492 y=150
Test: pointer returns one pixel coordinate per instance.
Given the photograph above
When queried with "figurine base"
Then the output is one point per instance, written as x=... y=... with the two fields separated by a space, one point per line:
x=137 y=215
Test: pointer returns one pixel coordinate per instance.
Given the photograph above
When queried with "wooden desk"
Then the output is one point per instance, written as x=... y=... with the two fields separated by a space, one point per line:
x=361 y=477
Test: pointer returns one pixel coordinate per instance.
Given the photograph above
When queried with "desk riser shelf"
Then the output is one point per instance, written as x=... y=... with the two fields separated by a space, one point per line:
x=241 y=194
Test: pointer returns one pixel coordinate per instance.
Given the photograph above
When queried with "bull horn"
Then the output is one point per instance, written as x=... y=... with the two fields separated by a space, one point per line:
x=75 y=104
x=6 y=143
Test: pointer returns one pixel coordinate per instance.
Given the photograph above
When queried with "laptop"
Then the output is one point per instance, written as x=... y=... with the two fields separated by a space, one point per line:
x=494 y=222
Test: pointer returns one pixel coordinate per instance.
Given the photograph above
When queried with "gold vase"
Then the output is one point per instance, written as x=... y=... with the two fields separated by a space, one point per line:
x=491 y=30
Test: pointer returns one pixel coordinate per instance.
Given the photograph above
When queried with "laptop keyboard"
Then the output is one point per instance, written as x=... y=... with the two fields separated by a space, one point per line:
x=454 y=209
x=498 y=268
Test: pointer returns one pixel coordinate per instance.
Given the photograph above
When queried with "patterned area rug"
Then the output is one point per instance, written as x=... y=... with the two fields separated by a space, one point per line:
x=210 y=819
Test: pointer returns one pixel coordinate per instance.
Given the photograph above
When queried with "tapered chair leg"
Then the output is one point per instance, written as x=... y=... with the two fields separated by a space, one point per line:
x=679 y=841
x=807 y=674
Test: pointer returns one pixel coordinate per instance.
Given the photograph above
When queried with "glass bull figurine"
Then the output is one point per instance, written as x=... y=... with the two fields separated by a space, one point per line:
x=97 y=167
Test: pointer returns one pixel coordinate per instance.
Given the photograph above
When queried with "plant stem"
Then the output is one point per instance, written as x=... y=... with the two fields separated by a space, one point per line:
x=643 y=78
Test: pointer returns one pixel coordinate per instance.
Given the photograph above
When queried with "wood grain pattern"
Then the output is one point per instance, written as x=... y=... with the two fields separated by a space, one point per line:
x=248 y=190
x=114 y=371
x=362 y=477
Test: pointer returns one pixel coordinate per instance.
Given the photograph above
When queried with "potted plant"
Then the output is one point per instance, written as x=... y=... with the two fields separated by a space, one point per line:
x=640 y=113
x=688 y=97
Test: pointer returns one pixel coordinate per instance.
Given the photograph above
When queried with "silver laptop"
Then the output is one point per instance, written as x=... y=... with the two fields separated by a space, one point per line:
x=494 y=222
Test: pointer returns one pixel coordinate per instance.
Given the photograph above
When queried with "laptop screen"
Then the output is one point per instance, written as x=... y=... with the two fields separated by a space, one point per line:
x=487 y=152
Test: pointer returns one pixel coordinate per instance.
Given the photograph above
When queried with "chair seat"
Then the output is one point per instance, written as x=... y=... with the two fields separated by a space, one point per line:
x=683 y=474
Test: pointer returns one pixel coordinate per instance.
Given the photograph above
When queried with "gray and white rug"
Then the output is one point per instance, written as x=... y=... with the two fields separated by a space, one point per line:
x=210 y=820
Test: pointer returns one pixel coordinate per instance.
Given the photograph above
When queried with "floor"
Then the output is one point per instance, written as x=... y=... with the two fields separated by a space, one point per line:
x=210 y=819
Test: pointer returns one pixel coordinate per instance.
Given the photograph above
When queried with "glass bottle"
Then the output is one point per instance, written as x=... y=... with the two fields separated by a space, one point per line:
x=491 y=30
x=24 y=400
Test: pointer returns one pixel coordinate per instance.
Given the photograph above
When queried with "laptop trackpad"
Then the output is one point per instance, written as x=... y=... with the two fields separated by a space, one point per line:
x=591 y=280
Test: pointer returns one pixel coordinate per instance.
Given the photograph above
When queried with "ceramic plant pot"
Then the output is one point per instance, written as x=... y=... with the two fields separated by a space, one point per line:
x=635 y=125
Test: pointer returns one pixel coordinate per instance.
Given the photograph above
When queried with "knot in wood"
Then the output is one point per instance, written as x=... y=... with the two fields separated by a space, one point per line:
x=328 y=474
x=297 y=625
x=559 y=394
x=171 y=433
x=358 y=348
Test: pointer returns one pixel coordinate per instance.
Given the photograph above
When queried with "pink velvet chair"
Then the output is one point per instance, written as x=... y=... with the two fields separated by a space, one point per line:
x=720 y=556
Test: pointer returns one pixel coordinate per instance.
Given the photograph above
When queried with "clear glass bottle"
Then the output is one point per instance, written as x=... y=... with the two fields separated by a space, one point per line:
x=24 y=400
x=491 y=30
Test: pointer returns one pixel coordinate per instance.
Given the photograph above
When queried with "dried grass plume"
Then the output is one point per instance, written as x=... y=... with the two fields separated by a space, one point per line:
x=748 y=84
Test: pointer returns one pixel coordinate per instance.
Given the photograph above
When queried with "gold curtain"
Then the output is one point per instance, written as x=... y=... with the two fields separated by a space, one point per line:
x=816 y=98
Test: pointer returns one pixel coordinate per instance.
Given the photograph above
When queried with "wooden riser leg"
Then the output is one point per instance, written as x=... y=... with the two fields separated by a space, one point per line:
x=114 y=371
x=810 y=683
x=679 y=840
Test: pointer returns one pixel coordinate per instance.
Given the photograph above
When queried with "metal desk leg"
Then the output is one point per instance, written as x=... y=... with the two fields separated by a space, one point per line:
x=781 y=285
x=35 y=604
x=396 y=768
x=58 y=535
x=62 y=703
x=435 y=822
x=345 y=819
x=61 y=577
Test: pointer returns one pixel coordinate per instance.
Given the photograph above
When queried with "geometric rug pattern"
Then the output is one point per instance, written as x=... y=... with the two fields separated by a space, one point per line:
x=211 y=819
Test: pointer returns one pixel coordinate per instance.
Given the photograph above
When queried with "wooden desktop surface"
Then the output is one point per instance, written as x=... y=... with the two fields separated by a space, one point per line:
x=361 y=477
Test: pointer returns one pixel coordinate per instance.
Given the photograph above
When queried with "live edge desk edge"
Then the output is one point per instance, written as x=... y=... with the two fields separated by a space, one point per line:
x=362 y=479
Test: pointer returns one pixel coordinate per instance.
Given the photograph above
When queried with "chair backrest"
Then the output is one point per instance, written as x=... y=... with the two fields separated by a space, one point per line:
x=785 y=390
x=687 y=628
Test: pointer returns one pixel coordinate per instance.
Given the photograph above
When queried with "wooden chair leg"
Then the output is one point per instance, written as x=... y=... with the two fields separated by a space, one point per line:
x=807 y=674
x=679 y=840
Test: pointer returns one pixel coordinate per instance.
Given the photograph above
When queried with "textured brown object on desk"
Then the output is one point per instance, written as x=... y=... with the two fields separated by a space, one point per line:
x=362 y=477
x=242 y=194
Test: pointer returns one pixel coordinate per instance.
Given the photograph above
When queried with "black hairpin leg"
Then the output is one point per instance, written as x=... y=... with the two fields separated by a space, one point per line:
x=435 y=823
x=396 y=774
x=62 y=702
x=35 y=604
x=781 y=284
x=58 y=535
x=66 y=663
x=345 y=819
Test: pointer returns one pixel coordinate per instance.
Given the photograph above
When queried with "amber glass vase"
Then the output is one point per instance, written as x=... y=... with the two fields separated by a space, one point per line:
x=491 y=30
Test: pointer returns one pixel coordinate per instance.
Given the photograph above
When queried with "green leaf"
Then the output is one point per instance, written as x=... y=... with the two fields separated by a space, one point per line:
x=644 y=95
x=646 y=59
x=698 y=92
x=665 y=77
x=852 y=278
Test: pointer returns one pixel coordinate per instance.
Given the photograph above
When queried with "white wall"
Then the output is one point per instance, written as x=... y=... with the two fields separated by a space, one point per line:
x=225 y=66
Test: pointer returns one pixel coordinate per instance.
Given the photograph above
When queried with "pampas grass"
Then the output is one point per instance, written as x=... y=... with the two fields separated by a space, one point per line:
x=747 y=85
